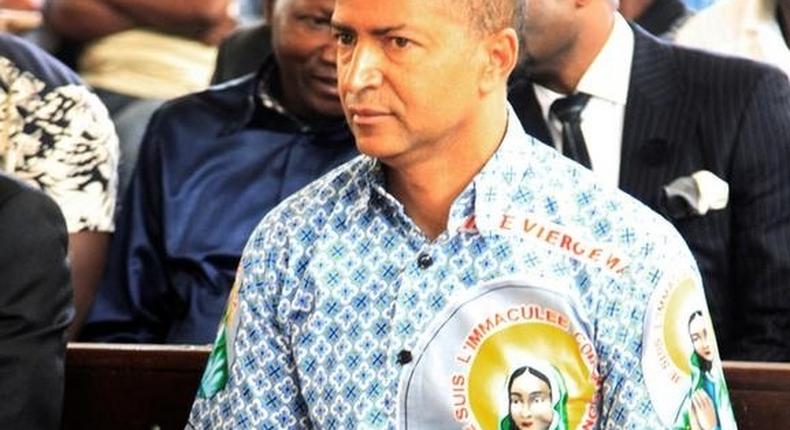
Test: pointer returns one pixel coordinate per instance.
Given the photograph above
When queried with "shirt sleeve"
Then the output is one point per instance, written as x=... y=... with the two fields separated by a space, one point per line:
x=82 y=166
x=252 y=362
x=60 y=136
x=650 y=376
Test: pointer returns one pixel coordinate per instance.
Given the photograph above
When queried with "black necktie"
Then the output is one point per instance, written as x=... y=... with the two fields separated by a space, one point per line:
x=568 y=110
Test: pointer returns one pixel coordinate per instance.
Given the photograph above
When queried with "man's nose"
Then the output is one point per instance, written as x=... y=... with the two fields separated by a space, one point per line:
x=363 y=71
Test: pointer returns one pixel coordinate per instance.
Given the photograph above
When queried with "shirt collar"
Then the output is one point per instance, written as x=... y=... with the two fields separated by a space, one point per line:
x=490 y=192
x=269 y=98
x=609 y=74
x=262 y=106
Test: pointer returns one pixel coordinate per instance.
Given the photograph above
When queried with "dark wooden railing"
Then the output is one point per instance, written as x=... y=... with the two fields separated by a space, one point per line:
x=140 y=387
x=151 y=387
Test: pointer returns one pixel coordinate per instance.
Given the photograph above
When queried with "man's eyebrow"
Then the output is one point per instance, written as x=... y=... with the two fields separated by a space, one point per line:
x=386 y=30
x=338 y=26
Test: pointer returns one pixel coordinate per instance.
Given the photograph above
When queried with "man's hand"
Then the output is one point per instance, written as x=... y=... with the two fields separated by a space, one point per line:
x=217 y=33
x=22 y=4
x=208 y=21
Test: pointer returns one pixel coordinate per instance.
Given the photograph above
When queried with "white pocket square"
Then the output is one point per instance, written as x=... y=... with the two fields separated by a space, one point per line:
x=696 y=194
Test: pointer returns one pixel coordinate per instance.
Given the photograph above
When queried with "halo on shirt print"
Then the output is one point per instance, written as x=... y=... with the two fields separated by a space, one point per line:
x=215 y=376
x=509 y=354
x=680 y=360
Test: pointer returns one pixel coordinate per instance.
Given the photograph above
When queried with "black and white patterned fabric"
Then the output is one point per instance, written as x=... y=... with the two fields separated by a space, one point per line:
x=57 y=135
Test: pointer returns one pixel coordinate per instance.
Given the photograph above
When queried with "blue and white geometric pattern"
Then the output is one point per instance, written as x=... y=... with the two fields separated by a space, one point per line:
x=332 y=289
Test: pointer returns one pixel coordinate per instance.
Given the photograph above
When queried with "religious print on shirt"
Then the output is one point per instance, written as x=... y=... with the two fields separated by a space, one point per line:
x=215 y=376
x=680 y=359
x=509 y=354
x=535 y=302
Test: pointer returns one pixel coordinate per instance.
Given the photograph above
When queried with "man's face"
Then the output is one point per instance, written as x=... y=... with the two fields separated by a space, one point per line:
x=305 y=51
x=548 y=35
x=701 y=338
x=530 y=403
x=408 y=75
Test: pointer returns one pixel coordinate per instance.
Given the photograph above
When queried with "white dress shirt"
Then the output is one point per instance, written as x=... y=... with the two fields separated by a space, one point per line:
x=606 y=81
x=747 y=28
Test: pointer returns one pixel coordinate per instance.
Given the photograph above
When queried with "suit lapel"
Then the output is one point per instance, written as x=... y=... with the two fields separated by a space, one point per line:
x=658 y=117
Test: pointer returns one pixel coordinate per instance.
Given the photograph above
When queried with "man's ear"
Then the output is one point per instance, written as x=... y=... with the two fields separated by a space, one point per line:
x=502 y=55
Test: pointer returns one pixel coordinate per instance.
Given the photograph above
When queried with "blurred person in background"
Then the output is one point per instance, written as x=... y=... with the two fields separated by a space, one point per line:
x=20 y=16
x=35 y=307
x=56 y=135
x=211 y=165
x=139 y=53
x=699 y=138
x=660 y=18
x=755 y=29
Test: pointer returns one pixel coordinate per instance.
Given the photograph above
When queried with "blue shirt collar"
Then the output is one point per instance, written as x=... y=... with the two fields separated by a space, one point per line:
x=487 y=196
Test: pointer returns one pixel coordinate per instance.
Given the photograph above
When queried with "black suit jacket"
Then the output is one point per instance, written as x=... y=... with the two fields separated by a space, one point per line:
x=687 y=111
x=35 y=307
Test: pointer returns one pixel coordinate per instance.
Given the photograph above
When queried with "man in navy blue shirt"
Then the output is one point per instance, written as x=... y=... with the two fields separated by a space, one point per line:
x=211 y=165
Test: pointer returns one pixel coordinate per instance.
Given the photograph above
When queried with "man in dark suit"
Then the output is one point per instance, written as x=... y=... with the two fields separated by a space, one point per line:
x=35 y=307
x=702 y=139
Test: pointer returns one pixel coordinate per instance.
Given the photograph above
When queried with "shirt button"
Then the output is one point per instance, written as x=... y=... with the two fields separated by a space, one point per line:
x=424 y=261
x=404 y=357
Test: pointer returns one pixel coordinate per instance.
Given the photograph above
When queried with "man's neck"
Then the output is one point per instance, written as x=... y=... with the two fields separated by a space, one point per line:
x=429 y=185
x=564 y=75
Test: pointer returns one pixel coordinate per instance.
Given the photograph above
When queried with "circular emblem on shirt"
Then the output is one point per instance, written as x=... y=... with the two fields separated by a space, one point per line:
x=509 y=354
x=680 y=360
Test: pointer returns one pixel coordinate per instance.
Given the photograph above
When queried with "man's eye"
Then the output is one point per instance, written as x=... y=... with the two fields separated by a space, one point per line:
x=401 y=42
x=316 y=21
x=344 y=38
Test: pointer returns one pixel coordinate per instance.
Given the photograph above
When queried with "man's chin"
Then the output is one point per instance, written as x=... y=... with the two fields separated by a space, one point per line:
x=379 y=146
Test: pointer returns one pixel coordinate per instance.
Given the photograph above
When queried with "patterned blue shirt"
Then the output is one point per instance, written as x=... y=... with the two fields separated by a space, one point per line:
x=346 y=316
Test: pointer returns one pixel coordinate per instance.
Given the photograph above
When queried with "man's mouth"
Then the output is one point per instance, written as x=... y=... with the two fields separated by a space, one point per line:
x=367 y=114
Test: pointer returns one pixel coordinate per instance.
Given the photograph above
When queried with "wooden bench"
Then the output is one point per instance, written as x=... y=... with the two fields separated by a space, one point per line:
x=151 y=387
x=760 y=394
x=140 y=387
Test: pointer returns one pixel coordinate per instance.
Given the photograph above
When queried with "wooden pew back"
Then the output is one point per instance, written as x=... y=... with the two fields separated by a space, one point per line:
x=151 y=387
x=760 y=394
x=141 y=387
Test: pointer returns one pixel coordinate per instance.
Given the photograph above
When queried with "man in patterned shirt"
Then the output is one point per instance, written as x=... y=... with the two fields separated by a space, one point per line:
x=57 y=136
x=407 y=287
